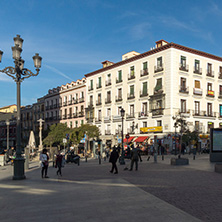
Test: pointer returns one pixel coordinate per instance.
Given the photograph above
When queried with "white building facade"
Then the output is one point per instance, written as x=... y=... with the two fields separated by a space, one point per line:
x=152 y=88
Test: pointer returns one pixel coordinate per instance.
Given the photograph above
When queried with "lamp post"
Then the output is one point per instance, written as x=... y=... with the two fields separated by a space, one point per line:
x=18 y=74
x=122 y=162
x=7 y=124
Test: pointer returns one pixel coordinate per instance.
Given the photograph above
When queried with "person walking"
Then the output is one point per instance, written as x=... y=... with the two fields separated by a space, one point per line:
x=59 y=160
x=44 y=158
x=113 y=159
x=134 y=157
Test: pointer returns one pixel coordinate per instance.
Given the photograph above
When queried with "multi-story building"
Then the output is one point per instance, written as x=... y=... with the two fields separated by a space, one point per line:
x=152 y=87
x=26 y=123
x=66 y=104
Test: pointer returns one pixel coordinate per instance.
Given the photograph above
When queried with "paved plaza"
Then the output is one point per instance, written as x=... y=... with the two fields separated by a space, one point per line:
x=89 y=192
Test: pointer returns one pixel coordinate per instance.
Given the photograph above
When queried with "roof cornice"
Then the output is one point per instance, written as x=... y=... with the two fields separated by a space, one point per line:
x=154 y=51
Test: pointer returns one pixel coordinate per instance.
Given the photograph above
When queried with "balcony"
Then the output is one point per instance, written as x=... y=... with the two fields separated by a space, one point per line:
x=197 y=91
x=119 y=98
x=131 y=76
x=118 y=80
x=55 y=106
x=204 y=113
x=210 y=93
x=197 y=71
x=75 y=115
x=184 y=112
x=55 y=117
x=108 y=100
x=90 y=88
x=51 y=107
x=157 y=112
x=144 y=72
x=98 y=120
x=64 y=116
x=81 y=100
x=130 y=116
x=98 y=102
x=220 y=95
x=183 y=89
x=70 y=102
x=210 y=73
x=107 y=132
x=117 y=118
x=130 y=96
x=158 y=68
x=183 y=67
x=89 y=119
x=107 y=119
x=219 y=75
x=65 y=103
x=118 y=132
x=143 y=93
x=98 y=86
x=81 y=114
x=108 y=82
x=75 y=101
x=142 y=114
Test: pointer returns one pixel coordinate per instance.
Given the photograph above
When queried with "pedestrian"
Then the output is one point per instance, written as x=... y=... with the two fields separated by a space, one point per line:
x=44 y=158
x=113 y=159
x=59 y=162
x=139 y=153
x=134 y=157
x=162 y=151
x=104 y=155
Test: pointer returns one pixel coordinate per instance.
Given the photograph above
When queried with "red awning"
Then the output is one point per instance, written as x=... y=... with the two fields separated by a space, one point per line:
x=140 y=139
x=129 y=140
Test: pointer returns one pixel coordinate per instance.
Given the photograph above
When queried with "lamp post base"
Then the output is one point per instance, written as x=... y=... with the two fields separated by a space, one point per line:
x=19 y=172
x=121 y=160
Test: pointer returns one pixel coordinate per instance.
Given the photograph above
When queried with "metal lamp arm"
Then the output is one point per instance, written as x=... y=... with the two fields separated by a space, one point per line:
x=26 y=73
x=10 y=71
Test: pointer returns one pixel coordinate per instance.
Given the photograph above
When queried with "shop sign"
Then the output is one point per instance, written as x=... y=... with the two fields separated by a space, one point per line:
x=151 y=129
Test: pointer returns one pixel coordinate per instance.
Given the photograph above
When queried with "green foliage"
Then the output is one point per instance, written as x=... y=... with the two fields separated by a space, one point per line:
x=58 y=131
x=56 y=134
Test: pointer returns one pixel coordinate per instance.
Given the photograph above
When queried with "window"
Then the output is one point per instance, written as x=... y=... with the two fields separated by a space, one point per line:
x=209 y=68
x=132 y=90
x=144 y=88
x=183 y=106
x=108 y=112
x=197 y=84
x=91 y=100
x=158 y=84
x=197 y=65
x=159 y=62
x=99 y=115
x=70 y=112
x=145 y=67
x=76 y=124
x=197 y=125
x=144 y=108
x=70 y=124
x=120 y=93
x=159 y=104
x=132 y=110
x=209 y=126
x=109 y=96
x=120 y=75
x=91 y=84
x=132 y=71
x=220 y=70
x=144 y=124
x=82 y=122
x=99 y=82
x=99 y=98
x=197 y=107
x=220 y=90
x=183 y=61
x=220 y=110
x=209 y=86
x=159 y=122
x=209 y=109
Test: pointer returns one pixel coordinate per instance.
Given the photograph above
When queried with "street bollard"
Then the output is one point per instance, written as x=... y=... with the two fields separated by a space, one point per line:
x=155 y=157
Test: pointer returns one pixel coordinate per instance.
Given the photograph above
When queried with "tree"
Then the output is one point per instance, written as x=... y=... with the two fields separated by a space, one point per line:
x=56 y=134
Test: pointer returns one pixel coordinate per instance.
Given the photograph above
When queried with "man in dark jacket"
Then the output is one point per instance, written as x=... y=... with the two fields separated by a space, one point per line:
x=134 y=157
x=113 y=159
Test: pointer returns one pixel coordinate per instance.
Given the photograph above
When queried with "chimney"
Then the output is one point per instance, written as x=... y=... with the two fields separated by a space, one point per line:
x=107 y=63
x=161 y=43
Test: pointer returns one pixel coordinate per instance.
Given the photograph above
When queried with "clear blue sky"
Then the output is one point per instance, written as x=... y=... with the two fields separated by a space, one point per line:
x=75 y=36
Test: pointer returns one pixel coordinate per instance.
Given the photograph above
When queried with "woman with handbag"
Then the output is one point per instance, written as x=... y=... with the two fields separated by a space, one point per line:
x=44 y=158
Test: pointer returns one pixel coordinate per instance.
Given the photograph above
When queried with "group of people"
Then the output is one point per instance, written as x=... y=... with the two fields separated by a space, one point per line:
x=44 y=158
x=133 y=154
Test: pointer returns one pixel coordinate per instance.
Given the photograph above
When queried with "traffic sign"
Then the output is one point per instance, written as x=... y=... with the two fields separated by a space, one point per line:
x=64 y=140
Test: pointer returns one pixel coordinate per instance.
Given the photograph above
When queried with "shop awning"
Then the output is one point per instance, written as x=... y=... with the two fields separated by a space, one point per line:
x=129 y=140
x=140 y=139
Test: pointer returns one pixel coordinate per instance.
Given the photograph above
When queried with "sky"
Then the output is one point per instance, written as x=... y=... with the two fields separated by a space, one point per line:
x=73 y=37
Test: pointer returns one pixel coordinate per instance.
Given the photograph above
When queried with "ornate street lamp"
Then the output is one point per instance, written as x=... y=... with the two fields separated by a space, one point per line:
x=18 y=74
x=7 y=124
x=122 y=162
